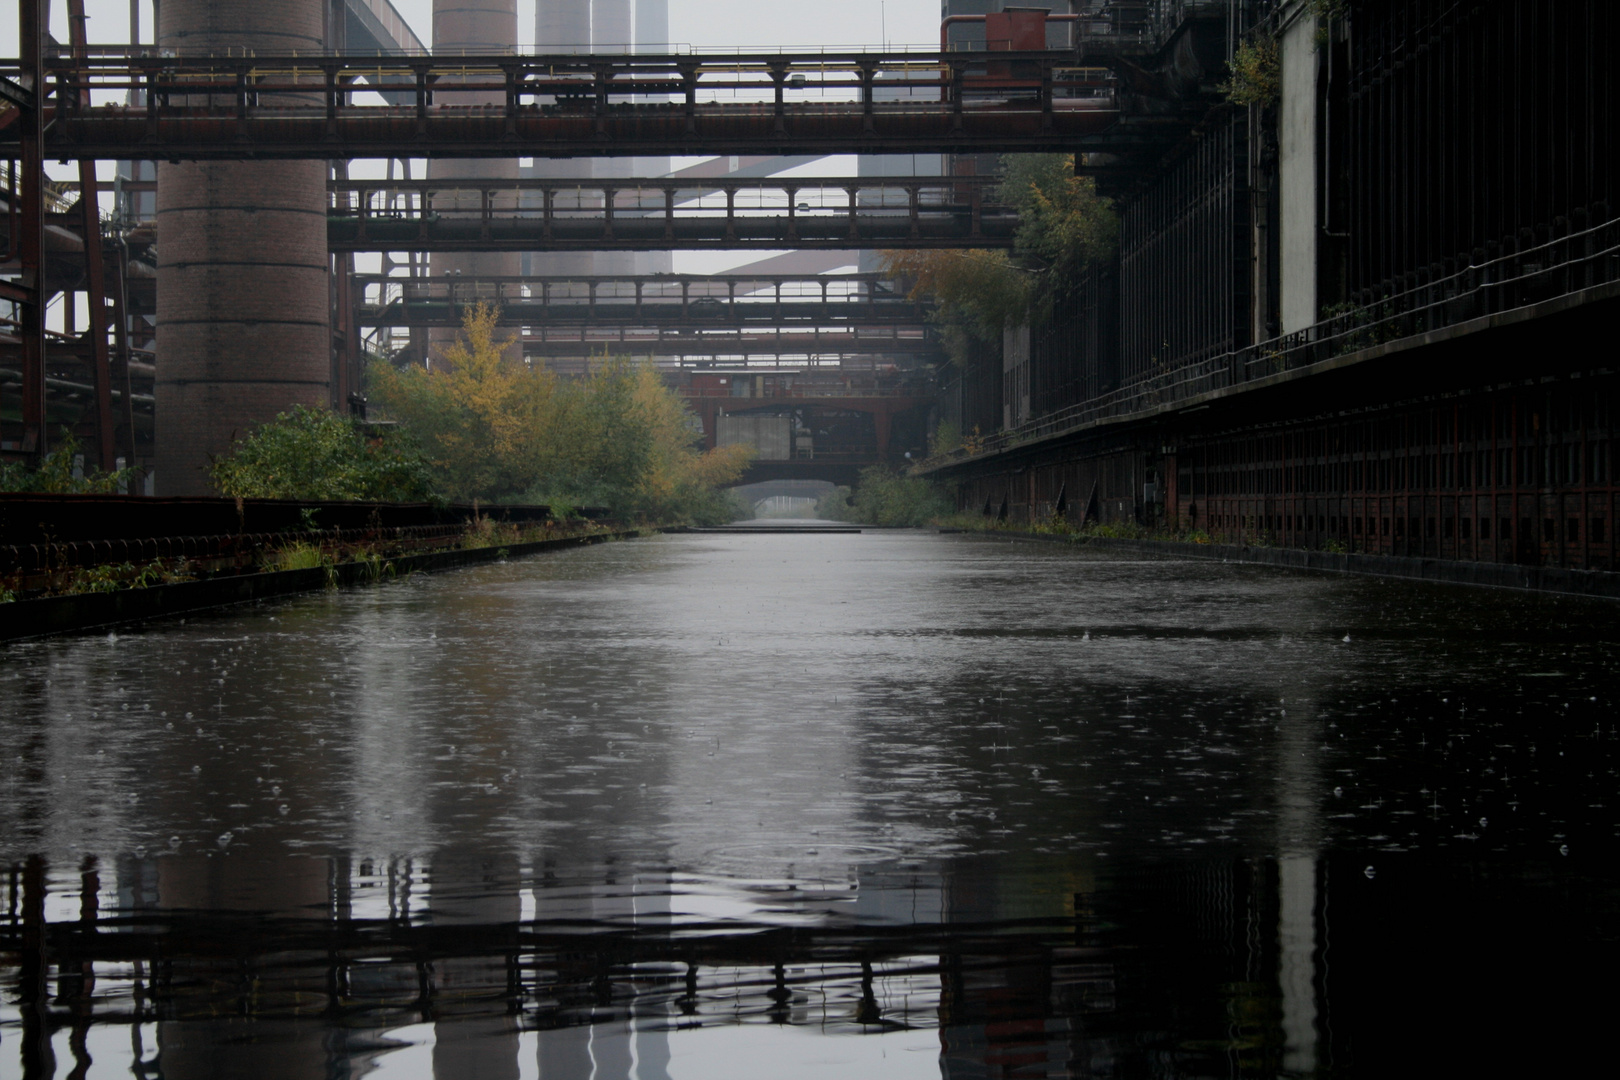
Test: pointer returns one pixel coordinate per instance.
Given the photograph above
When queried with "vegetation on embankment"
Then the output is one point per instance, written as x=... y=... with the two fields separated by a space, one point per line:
x=316 y=455
x=310 y=550
x=480 y=426
x=496 y=429
x=61 y=473
x=1060 y=528
x=1064 y=227
x=885 y=497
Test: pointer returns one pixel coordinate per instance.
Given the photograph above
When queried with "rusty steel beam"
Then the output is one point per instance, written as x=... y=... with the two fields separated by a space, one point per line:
x=29 y=239
x=237 y=108
x=840 y=212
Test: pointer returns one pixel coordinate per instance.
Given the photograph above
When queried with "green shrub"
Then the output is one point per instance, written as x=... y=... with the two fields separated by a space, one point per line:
x=1256 y=74
x=887 y=497
x=55 y=475
x=318 y=455
x=834 y=505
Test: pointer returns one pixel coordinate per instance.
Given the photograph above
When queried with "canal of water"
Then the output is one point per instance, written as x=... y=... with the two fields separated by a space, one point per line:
x=893 y=805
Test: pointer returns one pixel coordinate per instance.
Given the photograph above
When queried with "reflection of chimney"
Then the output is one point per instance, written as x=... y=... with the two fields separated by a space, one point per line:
x=207 y=1048
x=242 y=317
x=474 y=27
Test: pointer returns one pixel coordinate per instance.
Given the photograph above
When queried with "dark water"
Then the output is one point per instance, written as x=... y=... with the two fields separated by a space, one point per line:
x=893 y=805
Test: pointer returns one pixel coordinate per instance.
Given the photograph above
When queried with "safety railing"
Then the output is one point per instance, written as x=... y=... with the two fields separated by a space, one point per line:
x=1559 y=267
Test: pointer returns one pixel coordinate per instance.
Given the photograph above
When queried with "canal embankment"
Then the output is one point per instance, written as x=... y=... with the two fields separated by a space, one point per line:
x=1541 y=579
x=51 y=615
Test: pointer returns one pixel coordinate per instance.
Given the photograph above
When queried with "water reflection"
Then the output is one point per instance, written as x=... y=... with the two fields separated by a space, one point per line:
x=856 y=805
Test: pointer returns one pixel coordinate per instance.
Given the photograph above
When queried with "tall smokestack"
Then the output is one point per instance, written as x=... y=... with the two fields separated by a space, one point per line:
x=243 y=314
x=652 y=36
x=613 y=32
x=562 y=27
x=475 y=27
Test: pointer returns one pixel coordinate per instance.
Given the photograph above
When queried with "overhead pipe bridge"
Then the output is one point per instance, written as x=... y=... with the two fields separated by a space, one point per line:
x=669 y=301
x=335 y=107
x=770 y=213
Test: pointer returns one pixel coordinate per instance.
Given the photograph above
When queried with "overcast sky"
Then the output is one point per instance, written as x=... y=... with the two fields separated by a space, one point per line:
x=699 y=23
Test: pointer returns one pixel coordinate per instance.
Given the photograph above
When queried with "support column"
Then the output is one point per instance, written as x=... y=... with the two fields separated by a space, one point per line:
x=243 y=304
x=33 y=22
x=95 y=277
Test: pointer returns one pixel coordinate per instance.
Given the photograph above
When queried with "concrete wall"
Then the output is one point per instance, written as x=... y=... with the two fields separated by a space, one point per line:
x=1298 y=172
x=243 y=307
x=1015 y=375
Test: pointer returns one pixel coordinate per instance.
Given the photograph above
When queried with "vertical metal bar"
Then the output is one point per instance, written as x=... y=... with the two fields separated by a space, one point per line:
x=34 y=15
x=95 y=278
x=125 y=439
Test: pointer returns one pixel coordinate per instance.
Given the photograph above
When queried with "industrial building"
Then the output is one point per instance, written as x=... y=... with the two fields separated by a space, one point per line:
x=1348 y=233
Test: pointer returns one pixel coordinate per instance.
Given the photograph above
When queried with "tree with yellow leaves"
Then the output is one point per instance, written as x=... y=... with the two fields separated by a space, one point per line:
x=494 y=428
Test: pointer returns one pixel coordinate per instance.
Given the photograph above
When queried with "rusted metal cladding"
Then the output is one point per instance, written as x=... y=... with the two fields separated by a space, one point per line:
x=243 y=309
x=475 y=27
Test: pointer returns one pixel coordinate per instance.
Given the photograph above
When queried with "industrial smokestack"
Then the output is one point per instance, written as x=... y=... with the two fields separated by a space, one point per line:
x=652 y=26
x=562 y=27
x=475 y=27
x=243 y=312
x=652 y=36
x=613 y=32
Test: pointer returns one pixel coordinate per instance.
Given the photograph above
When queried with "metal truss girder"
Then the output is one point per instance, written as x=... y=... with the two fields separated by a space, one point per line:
x=839 y=213
x=785 y=344
x=234 y=108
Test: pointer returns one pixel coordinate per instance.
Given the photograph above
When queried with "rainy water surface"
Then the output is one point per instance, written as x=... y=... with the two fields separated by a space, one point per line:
x=890 y=805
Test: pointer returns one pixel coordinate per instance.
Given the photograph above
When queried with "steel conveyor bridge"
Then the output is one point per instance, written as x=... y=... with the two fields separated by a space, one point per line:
x=345 y=107
x=768 y=213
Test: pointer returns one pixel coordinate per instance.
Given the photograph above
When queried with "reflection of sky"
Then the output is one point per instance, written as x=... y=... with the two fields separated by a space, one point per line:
x=750 y=732
x=785 y=710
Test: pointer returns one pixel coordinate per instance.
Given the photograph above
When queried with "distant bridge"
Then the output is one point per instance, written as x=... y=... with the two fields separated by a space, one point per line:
x=810 y=425
x=680 y=302
x=840 y=212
